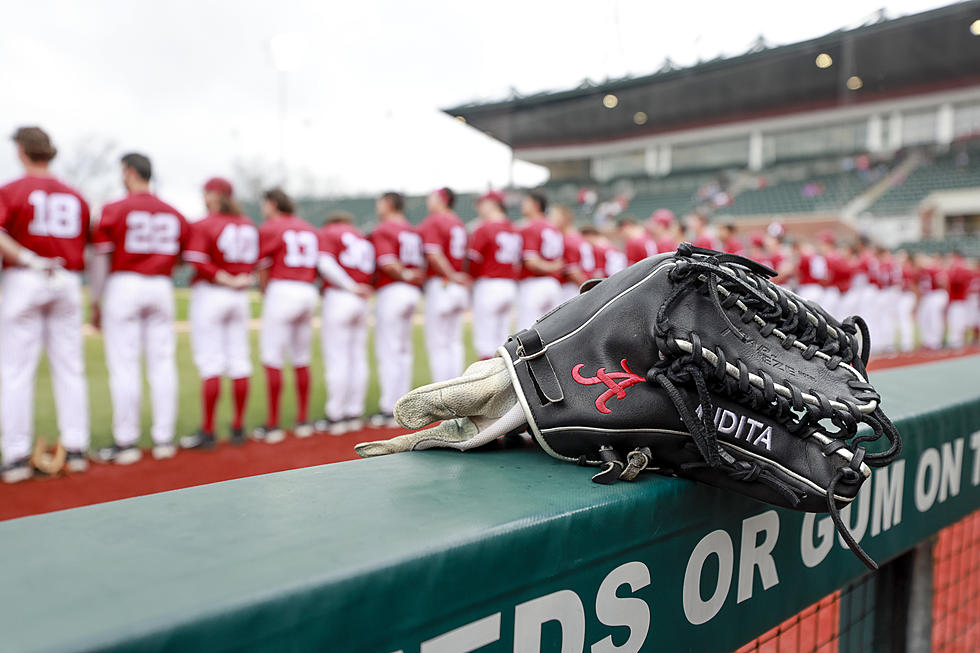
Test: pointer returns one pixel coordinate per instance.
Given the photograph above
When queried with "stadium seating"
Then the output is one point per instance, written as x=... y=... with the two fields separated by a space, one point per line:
x=942 y=174
x=792 y=197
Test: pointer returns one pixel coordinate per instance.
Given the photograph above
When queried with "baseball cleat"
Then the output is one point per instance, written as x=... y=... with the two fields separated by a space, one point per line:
x=164 y=451
x=322 y=425
x=76 y=462
x=355 y=423
x=269 y=434
x=118 y=455
x=303 y=430
x=382 y=421
x=339 y=427
x=17 y=471
x=238 y=436
x=200 y=440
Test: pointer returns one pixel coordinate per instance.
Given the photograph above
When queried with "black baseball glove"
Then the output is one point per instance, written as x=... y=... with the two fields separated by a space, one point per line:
x=691 y=364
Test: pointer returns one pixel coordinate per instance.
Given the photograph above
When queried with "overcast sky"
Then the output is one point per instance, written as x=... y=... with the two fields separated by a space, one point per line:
x=193 y=83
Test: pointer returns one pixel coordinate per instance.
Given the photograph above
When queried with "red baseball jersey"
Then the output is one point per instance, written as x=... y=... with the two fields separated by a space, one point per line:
x=734 y=246
x=666 y=244
x=222 y=242
x=640 y=248
x=289 y=249
x=47 y=217
x=811 y=269
x=573 y=253
x=495 y=250
x=396 y=241
x=444 y=232
x=354 y=252
x=959 y=277
x=541 y=239
x=599 y=252
x=708 y=242
x=143 y=234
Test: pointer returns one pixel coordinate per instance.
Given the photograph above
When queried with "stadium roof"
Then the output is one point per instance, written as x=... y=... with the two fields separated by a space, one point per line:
x=929 y=51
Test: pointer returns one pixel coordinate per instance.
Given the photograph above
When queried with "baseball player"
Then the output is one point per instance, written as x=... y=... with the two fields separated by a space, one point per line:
x=138 y=240
x=289 y=250
x=607 y=259
x=446 y=288
x=572 y=274
x=933 y=299
x=347 y=266
x=811 y=269
x=401 y=263
x=730 y=242
x=665 y=230
x=905 y=307
x=494 y=261
x=44 y=225
x=539 y=289
x=701 y=233
x=637 y=241
x=223 y=249
x=959 y=317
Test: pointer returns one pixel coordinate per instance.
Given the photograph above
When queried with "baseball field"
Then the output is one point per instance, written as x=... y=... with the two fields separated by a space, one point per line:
x=189 y=413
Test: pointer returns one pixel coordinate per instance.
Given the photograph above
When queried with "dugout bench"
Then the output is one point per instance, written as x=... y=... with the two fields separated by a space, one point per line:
x=492 y=551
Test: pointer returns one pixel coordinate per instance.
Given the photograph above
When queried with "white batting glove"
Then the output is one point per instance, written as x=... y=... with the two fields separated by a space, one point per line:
x=477 y=407
x=32 y=261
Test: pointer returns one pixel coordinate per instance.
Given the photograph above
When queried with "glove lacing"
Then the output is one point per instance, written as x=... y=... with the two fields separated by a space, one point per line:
x=756 y=297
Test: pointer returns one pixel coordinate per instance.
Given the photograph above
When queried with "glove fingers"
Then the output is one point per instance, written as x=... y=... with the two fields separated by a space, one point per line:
x=485 y=389
x=461 y=433
x=445 y=434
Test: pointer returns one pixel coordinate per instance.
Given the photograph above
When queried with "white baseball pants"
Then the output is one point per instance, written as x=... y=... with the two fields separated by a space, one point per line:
x=535 y=297
x=445 y=303
x=40 y=310
x=219 y=331
x=138 y=320
x=287 y=327
x=344 y=336
x=393 y=345
x=493 y=307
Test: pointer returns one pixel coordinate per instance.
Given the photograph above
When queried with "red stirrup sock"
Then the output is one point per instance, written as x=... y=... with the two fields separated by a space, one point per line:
x=210 y=391
x=273 y=377
x=240 y=392
x=302 y=393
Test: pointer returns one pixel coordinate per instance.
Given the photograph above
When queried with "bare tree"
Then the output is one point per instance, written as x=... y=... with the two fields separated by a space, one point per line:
x=92 y=165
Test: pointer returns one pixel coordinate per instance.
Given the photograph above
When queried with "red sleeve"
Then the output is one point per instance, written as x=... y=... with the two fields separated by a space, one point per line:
x=532 y=242
x=196 y=252
x=268 y=244
x=385 y=247
x=102 y=236
x=431 y=235
x=86 y=220
x=4 y=211
x=635 y=251
x=185 y=232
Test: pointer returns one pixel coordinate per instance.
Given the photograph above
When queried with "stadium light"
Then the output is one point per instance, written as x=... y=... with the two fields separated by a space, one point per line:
x=854 y=83
x=640 y=118
x=610 y=101
x=824 y=60
x=975 y=27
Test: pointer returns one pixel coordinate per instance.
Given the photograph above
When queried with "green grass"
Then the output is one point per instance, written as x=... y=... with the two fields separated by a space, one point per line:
x=189 y=412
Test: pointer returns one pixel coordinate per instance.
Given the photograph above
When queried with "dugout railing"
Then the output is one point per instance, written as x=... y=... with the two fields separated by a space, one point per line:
x=511 y=550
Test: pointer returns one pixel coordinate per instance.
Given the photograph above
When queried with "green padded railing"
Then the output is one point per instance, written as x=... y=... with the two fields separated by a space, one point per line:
x=444 y=551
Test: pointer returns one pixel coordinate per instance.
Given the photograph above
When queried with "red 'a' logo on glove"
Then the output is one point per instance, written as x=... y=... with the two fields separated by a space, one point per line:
x=616 y=383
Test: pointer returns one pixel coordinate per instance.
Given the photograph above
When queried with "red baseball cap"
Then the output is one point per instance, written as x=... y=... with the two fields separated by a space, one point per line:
x=663 y=217
x=493 y=196
x=219 y=185
x=827 y=236
x=757 y=239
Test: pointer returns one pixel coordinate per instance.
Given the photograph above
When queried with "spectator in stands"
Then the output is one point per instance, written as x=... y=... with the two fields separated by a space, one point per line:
x=664 y=228
x=730 y=242
x=539 y=290
x=637 y=242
